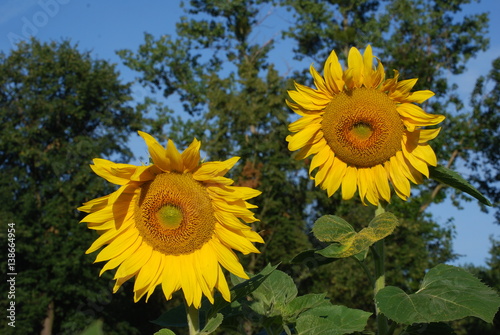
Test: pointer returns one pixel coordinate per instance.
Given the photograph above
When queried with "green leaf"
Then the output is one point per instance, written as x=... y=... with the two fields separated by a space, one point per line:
x=447 y=293
x=451 y=178
x=434 y=328
x=331 y=320
x=95 y=328
x=275 y=292
x=164 y=331
x=304 y=303
x=331 y=228
x=212 y=324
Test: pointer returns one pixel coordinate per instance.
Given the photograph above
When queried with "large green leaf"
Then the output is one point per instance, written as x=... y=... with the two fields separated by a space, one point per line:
x=447 y=293
x=330 y=228
x=451 y=178
x=302 y=304
x=331 y=320
x=274 y=293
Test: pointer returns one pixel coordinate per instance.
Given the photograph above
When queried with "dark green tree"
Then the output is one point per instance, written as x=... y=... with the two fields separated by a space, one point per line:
x=59 y=108
x=484 y=130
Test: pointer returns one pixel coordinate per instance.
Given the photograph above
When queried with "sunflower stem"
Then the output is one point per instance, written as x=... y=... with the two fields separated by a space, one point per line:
x=379 y=258
x=193 y=319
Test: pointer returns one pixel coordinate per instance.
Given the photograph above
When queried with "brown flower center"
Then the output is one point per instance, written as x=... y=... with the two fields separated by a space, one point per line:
x=363 y=127
x=174 y=214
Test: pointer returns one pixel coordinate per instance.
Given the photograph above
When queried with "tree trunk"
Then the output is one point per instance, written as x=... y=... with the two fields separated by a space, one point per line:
x=49 y=320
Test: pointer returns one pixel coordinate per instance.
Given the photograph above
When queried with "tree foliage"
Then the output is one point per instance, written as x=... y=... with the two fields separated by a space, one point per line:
x=59 y=108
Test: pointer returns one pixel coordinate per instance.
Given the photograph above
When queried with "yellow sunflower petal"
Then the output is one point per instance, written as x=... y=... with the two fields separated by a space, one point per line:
x=368 y=67
x=353 y=76
x=172 y=278
x=209 y=170
x=427 y=135
x=222 y=286
x=324 y=169
x=311 y=148
x=303 y=122
x=119 y=258
x=333 y=74
x=414 y=116
x=349 y=183
x=156 y=151
x=174 y=157
x=418 y=96
x=381 y=181
x=142 y=237
x=191 y=156
x=228 y=259
x=318 y=97
x=319 y=81
x=334 y=179
x=303 y=137
x=234 y=240
x=132 y=264
x=399 y=181
x=320 y=158
x=118 y=174
x=148 y=272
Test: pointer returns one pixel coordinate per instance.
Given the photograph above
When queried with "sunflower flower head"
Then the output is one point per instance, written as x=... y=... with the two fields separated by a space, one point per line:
x=173 y=223
x=364 y=130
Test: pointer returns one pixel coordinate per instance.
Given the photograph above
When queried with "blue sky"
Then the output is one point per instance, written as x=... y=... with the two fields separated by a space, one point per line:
x=106 y=26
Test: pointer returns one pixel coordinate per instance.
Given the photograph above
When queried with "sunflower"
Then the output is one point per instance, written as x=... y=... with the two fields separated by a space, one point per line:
x=174 y=222
x=363 y=130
